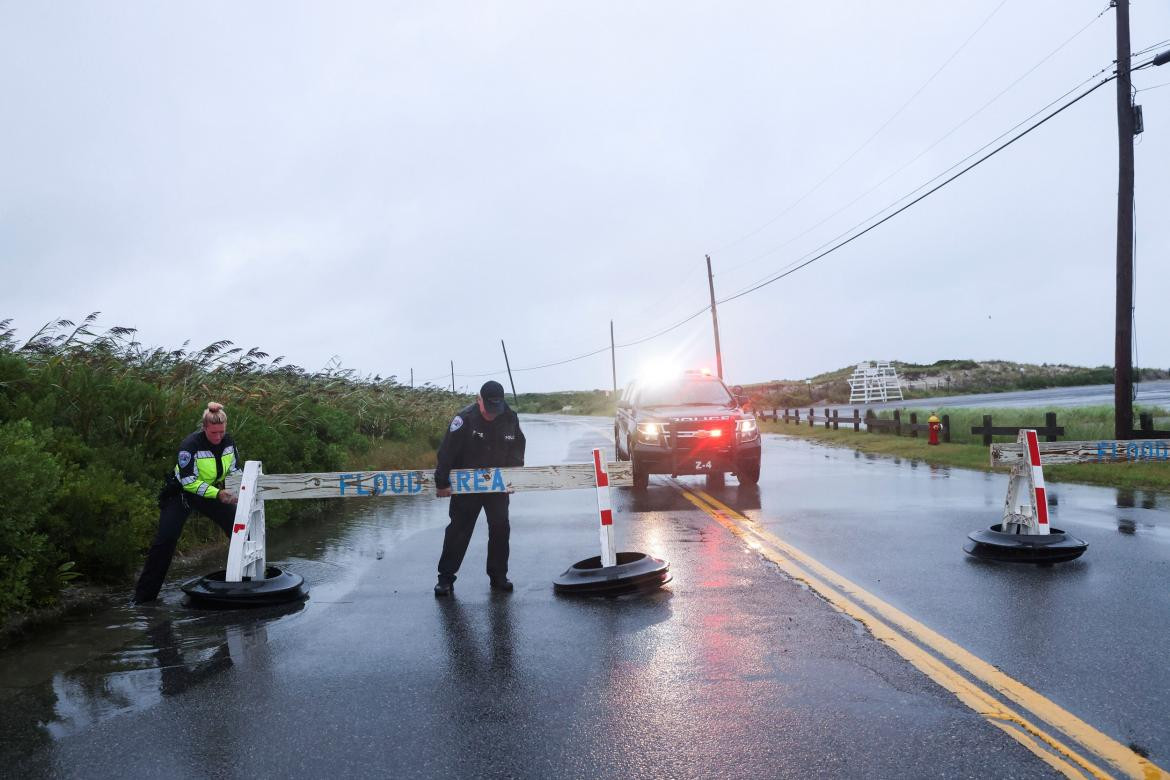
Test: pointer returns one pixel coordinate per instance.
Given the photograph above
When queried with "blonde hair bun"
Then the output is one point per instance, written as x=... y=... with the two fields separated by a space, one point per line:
x=214 y=414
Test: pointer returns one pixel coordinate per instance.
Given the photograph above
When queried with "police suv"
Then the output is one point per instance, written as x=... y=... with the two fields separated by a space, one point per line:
x=687 y=424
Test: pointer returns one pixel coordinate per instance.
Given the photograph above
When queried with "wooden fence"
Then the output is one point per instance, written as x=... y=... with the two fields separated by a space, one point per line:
x=1146 y=429
x=1050 y=431
x=832 y=419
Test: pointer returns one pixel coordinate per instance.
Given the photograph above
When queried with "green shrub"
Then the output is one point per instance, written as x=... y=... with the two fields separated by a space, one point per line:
x=103 y=522
x=28 y=559
x=91 y=424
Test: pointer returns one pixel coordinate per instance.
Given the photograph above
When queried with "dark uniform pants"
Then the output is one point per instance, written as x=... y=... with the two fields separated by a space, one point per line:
x=172 y=516
x=464 y=512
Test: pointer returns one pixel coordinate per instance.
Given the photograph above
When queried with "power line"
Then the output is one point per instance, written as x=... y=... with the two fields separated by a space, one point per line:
x=662 y=332
x=944 y=137
x=675 y=326
x=1150 y=48
x=797 y=265
x=925 y=195
x=925 y=184
x=868 y=140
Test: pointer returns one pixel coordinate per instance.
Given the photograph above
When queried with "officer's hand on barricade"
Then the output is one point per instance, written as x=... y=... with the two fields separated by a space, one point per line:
x=227 y=497
x=442 y=492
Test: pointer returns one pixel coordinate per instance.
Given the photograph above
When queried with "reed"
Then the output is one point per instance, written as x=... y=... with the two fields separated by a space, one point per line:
x=98 y=416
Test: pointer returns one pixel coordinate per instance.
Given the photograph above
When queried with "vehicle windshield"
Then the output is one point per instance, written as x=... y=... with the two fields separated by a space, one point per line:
x=685 y=393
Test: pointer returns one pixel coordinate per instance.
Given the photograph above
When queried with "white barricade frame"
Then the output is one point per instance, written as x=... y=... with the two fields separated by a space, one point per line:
x=1026 y=515
x=246 y=553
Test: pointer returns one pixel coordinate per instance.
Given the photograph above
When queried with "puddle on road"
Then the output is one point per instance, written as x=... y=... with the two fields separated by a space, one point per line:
x=127 y=659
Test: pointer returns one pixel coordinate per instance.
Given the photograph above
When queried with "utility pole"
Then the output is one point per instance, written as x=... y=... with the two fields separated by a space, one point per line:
x=411 y=378
x=452 y=376
x=714 y=320
x=509 y=366
x=613 y=358
x=1123 y=344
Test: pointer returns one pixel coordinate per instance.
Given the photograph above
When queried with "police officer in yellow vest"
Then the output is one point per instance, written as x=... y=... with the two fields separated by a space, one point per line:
x=205 y=458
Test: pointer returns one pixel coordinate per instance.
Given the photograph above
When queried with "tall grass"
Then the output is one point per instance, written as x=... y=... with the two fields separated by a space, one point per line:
x=91 y=419
x=1084 y=423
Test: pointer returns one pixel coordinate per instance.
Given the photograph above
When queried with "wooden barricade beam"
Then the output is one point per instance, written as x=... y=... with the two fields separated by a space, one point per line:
x=1066 y=452
x=368 y=484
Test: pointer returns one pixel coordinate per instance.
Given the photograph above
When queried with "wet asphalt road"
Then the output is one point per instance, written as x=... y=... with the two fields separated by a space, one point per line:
x=733 y=669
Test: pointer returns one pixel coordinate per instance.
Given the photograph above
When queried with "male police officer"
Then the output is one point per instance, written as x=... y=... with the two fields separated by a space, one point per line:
x=485 y=434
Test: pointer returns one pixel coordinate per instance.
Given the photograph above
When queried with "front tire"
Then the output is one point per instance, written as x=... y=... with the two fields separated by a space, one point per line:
x=749 y=473
x=641 y=475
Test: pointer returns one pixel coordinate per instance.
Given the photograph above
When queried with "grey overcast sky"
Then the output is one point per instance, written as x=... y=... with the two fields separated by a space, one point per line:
x=401 y=184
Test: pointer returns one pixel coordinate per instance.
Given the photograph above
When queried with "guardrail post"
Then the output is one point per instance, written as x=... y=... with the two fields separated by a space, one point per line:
x=836 y=419
x=812 y=416
x=897 y=422
x=946 y=422
x=914 y=424
x=826 y=418
x=856 y=421
x=987 y=430
x=796 y=412
x=1050 y=425
x=869 y=415
x=1147 y=422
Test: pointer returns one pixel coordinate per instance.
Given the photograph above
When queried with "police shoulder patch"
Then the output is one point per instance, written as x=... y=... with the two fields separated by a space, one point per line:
x=184 y=459
x=457 y=423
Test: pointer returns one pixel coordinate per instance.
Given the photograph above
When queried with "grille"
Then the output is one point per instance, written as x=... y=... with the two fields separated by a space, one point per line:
x=694 y=435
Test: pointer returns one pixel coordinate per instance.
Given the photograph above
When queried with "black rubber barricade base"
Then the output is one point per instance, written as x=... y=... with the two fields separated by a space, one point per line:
x=277 y=587
x=995 y=545
x=634 y=572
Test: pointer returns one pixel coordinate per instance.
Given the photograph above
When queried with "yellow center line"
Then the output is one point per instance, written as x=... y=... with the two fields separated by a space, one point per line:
x=845 y=595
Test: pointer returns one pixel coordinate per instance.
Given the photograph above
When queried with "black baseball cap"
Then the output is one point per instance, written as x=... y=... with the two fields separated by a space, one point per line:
x=492 y=394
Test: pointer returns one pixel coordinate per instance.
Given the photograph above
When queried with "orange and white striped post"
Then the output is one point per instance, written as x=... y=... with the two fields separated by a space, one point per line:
x=604 y=510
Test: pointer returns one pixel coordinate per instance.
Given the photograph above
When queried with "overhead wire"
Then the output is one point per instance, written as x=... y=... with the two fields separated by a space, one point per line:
x=1150 y=48
x=799 y=262
x=797 y=265
x=868 y=140
x=978 y=162
x=920 y=198
x=945 y=136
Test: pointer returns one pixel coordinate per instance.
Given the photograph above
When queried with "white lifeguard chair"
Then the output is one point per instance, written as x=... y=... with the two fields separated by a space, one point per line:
x=874 y=381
